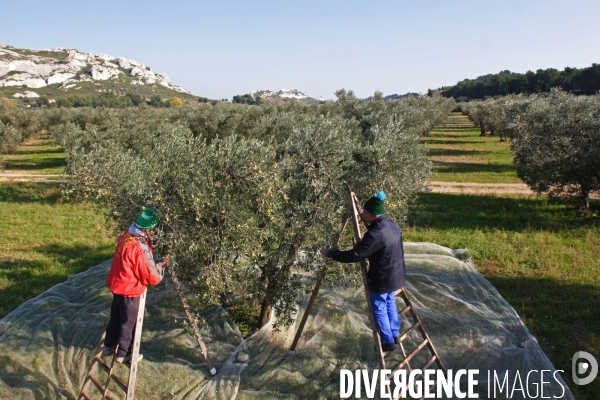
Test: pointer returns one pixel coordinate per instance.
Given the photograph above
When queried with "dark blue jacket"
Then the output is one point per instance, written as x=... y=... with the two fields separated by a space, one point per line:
x=382 y=245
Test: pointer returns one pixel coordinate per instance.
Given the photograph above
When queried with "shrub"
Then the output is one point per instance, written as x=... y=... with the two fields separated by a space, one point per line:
x=175 y=102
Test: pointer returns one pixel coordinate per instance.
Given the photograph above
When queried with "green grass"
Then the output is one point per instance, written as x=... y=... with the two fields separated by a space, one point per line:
x=542 y=256
x=461 y=155
x=43 y=240
x=36 y=157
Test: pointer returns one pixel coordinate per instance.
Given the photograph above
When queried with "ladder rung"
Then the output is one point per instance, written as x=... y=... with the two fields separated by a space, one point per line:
x=405 y=334
x=431 y=361
x=405 y=310
x=411 y=355
x=85 y=396
x=114 y=377
x=119 y=383
x=102 y=364
x=98 y=384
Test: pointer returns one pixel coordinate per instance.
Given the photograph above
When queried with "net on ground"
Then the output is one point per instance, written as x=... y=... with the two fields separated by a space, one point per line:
x=47 y=343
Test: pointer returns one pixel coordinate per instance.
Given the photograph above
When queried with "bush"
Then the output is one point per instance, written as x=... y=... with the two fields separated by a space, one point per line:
x=175 y=102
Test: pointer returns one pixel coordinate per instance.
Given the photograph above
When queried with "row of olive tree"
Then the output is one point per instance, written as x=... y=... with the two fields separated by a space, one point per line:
x=221 y=119
x=241 y=190
x=556 y=143
x=555 y=139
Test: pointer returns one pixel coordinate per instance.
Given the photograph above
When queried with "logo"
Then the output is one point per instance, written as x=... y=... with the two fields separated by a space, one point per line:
x=580 y=367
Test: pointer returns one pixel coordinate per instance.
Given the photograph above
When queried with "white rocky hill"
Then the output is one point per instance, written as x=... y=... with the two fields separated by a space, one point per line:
x=69 y=69
x=284 y=94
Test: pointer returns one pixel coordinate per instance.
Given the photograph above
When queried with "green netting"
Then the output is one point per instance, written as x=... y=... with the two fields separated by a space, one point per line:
x=46 y=344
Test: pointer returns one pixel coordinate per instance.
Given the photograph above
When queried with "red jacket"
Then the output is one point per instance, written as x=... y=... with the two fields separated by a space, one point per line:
x=133 y=267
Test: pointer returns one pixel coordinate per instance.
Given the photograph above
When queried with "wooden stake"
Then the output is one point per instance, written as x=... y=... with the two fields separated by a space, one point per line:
x=313 y=296
x=193 y=322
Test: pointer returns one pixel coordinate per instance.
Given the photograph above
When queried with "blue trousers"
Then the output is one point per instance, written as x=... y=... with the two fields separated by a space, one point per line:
x=386 y=315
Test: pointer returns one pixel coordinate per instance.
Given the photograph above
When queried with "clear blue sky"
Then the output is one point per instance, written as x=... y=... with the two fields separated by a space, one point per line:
x=218 y=49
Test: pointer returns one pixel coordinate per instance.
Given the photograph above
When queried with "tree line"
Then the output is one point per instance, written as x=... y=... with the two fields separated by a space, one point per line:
x=579 y=81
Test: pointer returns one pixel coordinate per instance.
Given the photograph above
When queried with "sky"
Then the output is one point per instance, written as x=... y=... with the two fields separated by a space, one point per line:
x=218 y=49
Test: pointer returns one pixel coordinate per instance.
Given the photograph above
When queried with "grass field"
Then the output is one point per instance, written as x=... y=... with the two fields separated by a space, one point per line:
x=542 y=256
x=462 y=155
x=36 y=157
x=43 y=240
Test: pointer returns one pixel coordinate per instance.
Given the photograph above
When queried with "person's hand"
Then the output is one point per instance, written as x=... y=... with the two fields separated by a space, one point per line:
x=325 y=252
x=166 y=259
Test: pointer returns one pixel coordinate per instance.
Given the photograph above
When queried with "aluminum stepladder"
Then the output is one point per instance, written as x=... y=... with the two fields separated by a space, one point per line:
x=352 y=213
x=130 y=387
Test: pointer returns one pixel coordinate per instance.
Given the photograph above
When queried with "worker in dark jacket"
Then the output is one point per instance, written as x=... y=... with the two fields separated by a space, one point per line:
x=382 y=245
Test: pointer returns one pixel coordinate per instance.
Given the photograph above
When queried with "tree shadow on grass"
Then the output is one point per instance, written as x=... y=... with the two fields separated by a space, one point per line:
x=449 y=167
x=26 y=150
x=434 y=140
x=27 y=278
x=45 y=193
x=450 y=211
x=564 y=318
x=456 y=152
x=34 y=165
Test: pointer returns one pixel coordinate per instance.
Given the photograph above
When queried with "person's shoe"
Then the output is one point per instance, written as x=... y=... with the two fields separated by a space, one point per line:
x=107 y=351
x=127 y=359
x=388 y=347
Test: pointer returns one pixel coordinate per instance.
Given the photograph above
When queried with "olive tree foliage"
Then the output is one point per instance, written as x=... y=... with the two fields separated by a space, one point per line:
x=556 y=143
x=10 y=139
x=421 y=113
x=246 y=195
x=477 y=111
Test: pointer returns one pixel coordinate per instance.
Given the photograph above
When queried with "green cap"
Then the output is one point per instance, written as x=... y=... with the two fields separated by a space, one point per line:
x=146 y=220
x=374 y=205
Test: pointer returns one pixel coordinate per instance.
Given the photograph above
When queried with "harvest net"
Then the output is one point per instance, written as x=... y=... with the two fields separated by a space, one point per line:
x=47 y=344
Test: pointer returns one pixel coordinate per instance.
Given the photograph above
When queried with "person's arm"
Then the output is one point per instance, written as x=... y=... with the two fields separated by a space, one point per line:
x=148 y=272
x=363 y=249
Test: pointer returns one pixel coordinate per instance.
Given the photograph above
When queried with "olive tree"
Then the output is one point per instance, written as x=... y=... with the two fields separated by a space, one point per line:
x=556 y=143
x=244 y=203
x=10 y=139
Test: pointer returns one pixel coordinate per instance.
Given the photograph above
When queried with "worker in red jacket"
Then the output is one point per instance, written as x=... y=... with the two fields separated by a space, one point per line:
x=132 y=269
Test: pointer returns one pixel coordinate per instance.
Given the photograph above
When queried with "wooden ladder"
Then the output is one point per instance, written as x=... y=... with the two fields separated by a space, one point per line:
x=352 y=213
x=426 y=342
x=128 y=388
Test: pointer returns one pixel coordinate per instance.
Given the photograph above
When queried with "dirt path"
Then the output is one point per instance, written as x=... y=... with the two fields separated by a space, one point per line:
x=436 y=186
x=24 y=176
x=479 y=188
x=484 y=188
